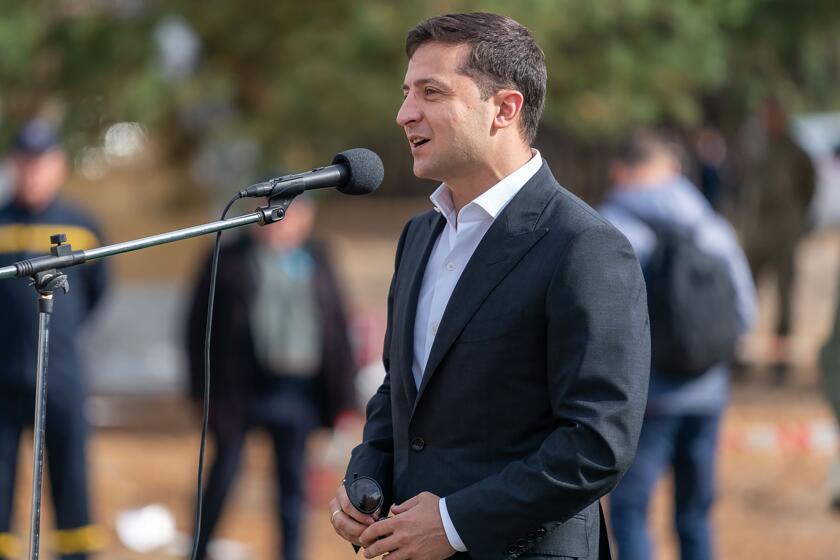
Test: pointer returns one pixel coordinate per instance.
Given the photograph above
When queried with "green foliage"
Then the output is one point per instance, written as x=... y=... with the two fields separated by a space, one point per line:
x=304 y=79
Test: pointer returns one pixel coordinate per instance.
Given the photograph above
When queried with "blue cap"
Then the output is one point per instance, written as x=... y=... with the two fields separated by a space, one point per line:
x=35 y=138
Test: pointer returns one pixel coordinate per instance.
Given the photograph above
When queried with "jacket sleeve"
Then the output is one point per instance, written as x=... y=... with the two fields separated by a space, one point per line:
x=374 y=457
x=598 y=365
x=742 y=279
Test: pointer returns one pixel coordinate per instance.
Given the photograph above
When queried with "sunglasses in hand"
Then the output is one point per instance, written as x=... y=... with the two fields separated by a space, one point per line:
x=364 y=493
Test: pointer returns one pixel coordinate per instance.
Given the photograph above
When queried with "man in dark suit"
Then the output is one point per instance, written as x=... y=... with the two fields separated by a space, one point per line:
x=517 y=349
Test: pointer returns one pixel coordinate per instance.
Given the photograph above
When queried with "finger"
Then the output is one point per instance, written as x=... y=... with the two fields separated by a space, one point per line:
x=400 y=554
x=333 y=506
x=337 y=527
x=350 y=510
x=335 y=511
x=377 y=531
x=387 y=545
x=348 y=527
x=406 y=505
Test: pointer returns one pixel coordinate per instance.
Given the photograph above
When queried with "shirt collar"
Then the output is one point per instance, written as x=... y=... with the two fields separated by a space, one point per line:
x=490 y=203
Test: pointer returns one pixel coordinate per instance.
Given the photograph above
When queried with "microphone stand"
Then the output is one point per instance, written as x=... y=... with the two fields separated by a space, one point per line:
x=47 y=278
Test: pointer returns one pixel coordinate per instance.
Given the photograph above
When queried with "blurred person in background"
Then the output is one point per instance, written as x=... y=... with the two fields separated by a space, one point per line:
x=281 y=360
x=680 y=430
x=830 y=359
x=711 y=151
x=778 y=183
x=39 y=169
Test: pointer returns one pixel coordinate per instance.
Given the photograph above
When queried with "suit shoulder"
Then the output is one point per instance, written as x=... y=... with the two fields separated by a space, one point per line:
x=567 y=215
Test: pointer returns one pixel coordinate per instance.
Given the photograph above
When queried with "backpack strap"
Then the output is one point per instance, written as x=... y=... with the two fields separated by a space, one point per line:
x=660 y=229
x=656 y=227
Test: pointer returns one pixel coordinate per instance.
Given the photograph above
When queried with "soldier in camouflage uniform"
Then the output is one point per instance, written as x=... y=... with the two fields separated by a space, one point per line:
x=777 y=187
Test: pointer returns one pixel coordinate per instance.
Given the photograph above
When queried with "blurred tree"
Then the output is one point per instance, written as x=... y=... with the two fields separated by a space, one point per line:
x=300 y=81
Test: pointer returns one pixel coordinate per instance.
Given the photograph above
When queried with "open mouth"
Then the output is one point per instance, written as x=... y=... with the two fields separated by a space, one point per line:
x=417 y=142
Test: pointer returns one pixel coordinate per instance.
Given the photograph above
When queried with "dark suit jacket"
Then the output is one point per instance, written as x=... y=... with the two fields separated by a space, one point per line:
x=532 y=399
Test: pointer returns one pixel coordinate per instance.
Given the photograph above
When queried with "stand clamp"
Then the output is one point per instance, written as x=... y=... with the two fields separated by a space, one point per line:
x=275 y=211
x=48 y=281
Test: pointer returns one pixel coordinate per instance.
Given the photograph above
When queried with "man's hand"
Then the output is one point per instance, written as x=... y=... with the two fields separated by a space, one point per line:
x=414 y=532
x=347 y=521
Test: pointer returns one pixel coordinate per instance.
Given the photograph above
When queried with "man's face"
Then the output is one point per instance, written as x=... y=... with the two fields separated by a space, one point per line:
x=447 y=123
x=38 y=178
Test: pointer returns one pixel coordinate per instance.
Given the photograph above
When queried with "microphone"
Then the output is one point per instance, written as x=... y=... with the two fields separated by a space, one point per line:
x=355 y=171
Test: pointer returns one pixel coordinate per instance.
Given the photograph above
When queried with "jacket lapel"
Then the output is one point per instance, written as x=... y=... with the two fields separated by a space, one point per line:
x=509 y=238
x=421 y=251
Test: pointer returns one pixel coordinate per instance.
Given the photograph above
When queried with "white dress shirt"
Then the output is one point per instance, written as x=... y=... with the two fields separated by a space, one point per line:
x=450 y=255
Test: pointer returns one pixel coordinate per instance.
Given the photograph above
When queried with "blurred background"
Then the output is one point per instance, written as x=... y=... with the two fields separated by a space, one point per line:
x=166 y=109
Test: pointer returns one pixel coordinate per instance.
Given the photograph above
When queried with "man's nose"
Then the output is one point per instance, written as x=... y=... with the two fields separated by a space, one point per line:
x=409 y=112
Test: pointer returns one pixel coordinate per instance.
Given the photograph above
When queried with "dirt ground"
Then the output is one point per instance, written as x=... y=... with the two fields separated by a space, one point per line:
x=776 y=447
x=773 y=503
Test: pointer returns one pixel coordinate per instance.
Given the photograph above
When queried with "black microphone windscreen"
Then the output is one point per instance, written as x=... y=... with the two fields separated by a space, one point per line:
x=366 y=170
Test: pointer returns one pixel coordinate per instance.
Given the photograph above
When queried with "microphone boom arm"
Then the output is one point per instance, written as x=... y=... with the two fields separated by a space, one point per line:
x=273 y=212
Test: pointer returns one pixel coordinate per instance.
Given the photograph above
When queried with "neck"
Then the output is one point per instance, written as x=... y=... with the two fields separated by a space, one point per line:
x=487 y=173
x=648 y=177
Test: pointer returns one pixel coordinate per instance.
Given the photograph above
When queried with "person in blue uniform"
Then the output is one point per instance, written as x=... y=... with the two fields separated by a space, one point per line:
x=39 y=169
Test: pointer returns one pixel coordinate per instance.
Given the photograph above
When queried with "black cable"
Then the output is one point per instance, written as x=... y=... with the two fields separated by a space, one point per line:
x=206 y=408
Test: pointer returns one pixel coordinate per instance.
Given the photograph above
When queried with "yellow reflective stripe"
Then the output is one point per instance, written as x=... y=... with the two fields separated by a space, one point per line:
x=89 y=538
x=9 y=546
x=35 y=238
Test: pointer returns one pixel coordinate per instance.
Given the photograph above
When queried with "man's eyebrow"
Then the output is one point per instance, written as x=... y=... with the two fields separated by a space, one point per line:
x=426 y=81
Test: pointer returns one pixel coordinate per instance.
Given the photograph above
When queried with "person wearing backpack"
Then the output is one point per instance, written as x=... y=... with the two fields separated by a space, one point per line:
x=701 y=299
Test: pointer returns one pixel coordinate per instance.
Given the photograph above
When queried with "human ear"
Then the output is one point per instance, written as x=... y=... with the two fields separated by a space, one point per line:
x=508 y=107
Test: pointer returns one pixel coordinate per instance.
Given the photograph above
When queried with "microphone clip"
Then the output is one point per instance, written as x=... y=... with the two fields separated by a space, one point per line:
x=275 y=210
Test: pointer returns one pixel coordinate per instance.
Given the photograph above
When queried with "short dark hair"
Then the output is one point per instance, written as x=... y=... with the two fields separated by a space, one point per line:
x=503 y=54
x=643 y=144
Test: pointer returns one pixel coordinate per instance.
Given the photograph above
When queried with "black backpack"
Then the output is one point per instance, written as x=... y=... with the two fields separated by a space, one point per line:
x=691 y=303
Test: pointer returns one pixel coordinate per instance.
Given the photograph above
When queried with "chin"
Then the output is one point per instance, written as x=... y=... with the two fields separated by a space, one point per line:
x=425 y=170
x=420 y=171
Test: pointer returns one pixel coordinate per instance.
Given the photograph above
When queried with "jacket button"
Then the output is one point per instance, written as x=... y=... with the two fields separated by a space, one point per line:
x=417 y=444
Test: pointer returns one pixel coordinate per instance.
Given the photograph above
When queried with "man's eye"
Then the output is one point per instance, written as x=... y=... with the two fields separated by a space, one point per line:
x=429 y=91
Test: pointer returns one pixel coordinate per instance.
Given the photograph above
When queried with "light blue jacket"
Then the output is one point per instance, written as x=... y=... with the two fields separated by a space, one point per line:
x=679 y=202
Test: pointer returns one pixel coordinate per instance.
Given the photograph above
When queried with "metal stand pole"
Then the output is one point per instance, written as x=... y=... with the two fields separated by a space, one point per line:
x=45 y=283
x=39 y=429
